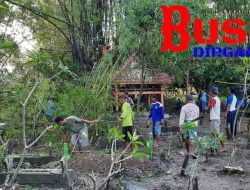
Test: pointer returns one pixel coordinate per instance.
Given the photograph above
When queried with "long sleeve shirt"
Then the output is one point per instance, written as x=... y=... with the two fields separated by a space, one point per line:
x=189 y=112
x=156 y=112
x=127 y=115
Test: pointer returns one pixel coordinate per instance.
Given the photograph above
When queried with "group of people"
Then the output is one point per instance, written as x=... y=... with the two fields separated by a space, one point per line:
x=190 y=111
x=156 y=117
x=80 y=131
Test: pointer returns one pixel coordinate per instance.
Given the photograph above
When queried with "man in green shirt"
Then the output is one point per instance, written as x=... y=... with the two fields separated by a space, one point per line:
x=126 y=118
x=78 y=128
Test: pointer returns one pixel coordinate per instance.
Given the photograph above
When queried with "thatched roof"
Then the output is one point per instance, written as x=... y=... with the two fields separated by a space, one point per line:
x=131 y=73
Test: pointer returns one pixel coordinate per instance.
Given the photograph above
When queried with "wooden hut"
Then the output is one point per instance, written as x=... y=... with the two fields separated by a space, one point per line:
x=129 y=79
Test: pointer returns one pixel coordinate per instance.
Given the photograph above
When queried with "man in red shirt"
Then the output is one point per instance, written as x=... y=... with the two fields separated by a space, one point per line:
x=215 y=105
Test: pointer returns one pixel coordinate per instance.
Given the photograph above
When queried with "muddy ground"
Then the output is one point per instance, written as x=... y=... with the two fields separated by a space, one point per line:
x=163 y=172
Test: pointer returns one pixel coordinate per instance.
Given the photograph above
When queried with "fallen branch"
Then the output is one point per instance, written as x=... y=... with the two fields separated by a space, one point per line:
x=230 y=169
x=25 y=149
x=10 y=183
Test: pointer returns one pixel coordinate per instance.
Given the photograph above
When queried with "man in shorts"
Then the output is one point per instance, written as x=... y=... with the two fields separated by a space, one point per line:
x=127 y=118
x=78 y=128
x=215 y=106
x=157 y=117
x=189 y=112
x=231 y=111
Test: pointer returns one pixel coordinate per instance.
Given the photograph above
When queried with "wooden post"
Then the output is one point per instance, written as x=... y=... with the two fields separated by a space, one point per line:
x=187 y=82
x=162 y=95
x=149 y=101
x=184 y=165
x=116 y=95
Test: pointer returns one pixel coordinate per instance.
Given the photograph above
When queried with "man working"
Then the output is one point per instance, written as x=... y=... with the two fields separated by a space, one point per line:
x=215 y=105
x=127 y=118
x=77 y=127
x=157 y=117
x=231 y=112
x=189 y=112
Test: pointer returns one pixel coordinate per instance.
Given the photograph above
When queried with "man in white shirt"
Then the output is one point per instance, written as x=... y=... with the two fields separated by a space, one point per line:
x=189 y=112
x=231 y=112
x=215 y=106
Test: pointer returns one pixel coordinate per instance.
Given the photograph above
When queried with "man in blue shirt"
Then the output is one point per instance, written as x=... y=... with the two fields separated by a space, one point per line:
x=231 y=112
x=157 y=117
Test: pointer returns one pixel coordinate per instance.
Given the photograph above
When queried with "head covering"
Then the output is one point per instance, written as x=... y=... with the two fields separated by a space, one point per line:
x=215 y=90
x=189 y=97
x=122 y=97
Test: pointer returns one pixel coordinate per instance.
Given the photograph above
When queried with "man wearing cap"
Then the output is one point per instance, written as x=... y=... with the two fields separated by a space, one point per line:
x=77 y=127
x=189 y=112
x=215 y=106
x=127 y=118
x=156 y=115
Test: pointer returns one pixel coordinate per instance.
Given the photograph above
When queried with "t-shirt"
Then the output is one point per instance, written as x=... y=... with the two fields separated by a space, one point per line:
x=232 y=101
x=156 y=112
x=189 y=112
x=214 y=106
x=204 y=97
x=127 y=115
x=73 y=124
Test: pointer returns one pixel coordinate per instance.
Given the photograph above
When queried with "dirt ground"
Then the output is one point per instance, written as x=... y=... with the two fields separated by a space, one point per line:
x=163 y=172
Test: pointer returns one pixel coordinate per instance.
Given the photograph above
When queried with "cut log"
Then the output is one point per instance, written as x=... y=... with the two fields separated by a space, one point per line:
x=184 y=165
x=195 y=183
x=230 y=169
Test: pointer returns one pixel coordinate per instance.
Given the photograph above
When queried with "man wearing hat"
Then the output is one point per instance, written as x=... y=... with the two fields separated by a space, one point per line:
x=189 y=112
x=157 y=117
x=127 y=118
x=215 y=105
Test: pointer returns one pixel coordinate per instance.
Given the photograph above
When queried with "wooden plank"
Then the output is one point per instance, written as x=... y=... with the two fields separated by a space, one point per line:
x=137 y=82
x=145 y=92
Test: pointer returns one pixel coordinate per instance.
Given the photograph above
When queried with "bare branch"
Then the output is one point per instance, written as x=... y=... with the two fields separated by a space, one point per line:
x=24 y=113
x=124 y=159
x=39 y=137
x=109 y=176
x=93 y=178
x=17 y=169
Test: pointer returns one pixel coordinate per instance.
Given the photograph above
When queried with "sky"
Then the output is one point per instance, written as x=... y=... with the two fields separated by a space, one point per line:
x=21 y=34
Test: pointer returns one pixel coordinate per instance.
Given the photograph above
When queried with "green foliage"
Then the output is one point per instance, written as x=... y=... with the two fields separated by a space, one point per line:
x=136 y=143
x=3 y=149
x=7 y=45
x=206 y=143
x=189 y=129
x=115 y=133
x=203 y=144
x=149 y=145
